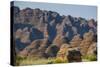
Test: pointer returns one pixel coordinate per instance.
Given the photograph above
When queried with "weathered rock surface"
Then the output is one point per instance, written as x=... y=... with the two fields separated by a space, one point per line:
x=76 y=41
x=74 y=55
x=62 y=53
x=51 y=51
x=92 y=50
x=86 y=42
x=69 y=53
x=36 y=30
x=34 y=47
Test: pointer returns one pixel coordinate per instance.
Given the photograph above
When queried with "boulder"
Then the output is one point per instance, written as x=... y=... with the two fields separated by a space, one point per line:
x=51 y=51
x=68 y=53
x=74 y=55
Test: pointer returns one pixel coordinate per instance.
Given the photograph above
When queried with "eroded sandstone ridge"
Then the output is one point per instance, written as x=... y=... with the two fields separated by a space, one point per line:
x=46 y=34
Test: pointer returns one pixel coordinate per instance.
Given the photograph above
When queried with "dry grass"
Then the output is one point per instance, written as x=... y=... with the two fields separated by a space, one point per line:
x=33 y=61
x=37 y=61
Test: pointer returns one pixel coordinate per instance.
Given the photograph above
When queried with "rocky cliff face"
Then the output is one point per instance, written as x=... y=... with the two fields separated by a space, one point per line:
x=36 y=30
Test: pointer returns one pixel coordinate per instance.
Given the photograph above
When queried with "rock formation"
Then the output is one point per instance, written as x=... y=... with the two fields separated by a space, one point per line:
x=74 y=55
x=48 y=34
x=86 y=42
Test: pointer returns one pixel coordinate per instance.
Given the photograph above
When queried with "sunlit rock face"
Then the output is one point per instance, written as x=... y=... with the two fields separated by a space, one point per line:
x=71 y=54
x=36 y=30
x=86 y=42
x=76 y=41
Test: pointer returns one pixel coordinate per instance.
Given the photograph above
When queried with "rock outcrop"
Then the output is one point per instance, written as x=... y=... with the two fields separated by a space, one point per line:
x=36 y=47
x=70 y=54
x=86 y=42
x=76 y=41
x=92 y=50
x=51 y=51
x=74 y=55
x=63 y=52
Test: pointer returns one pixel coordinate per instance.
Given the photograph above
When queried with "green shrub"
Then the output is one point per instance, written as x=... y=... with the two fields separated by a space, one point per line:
x=50 y=62
x=90 y=57
x=20 y=58
x=59 y=60
x=33 y=61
